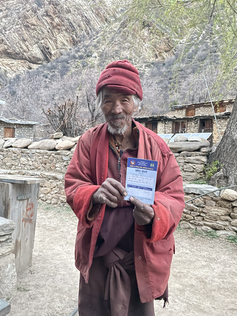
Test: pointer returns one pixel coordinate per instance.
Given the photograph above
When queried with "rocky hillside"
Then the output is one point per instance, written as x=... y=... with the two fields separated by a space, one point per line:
x=33 y=32
x=54 y=50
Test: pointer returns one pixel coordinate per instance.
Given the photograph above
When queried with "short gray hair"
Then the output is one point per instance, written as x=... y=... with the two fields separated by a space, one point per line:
x=137 y=101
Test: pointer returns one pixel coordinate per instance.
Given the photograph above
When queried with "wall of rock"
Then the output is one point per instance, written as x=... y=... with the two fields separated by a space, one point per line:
x=8 y=276
x=52 y=165
x=49 y=165
x=206 y=213
x=213 y=212
x=191 y=164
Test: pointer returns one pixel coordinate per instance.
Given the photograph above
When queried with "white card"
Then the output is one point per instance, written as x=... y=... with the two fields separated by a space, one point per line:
x=141 y=179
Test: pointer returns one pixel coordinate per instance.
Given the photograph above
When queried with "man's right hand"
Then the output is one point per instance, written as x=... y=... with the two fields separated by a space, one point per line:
x=110 y=193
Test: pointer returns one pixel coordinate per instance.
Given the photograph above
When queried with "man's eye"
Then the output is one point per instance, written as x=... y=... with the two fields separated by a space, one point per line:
x=107 y=101
x=125 y=100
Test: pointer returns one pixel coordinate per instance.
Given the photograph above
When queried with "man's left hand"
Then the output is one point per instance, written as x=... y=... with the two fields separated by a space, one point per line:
x=143 y=213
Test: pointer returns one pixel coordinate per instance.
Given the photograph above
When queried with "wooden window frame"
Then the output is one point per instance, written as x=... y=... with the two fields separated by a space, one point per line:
x=9 y=132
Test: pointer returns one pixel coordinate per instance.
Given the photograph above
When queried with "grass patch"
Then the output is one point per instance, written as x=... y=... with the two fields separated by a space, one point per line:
x=232 y=239
x=200 y=181
x=208 y=233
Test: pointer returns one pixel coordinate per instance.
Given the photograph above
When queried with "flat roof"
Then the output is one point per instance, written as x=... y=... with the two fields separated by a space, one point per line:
x=14 y=121
x=196 y=105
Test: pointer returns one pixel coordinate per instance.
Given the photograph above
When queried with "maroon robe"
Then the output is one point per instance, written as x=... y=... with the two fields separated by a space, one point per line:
x=153 y=248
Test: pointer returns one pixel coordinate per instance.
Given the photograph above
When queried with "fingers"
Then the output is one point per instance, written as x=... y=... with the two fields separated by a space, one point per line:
x=114 y=187
x=110 y=192
x=142 y=213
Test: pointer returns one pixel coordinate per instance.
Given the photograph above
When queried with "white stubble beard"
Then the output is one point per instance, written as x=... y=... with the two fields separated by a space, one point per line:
x=118 y=130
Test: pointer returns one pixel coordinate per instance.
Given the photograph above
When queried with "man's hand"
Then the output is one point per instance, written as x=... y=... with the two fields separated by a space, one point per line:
x=110 y=193
x=143 y=213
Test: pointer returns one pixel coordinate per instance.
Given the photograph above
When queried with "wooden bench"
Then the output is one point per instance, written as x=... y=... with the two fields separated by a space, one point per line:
x=5 y=308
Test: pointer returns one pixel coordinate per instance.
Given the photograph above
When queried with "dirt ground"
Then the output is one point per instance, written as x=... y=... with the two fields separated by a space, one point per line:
x=203 y=279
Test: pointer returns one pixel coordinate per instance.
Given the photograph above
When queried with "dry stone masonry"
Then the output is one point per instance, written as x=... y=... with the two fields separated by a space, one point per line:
x=211 y=212
x=8 y=276
x=50 y=162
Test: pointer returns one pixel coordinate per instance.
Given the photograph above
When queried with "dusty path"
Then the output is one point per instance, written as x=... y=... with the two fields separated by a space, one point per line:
x=203 y=280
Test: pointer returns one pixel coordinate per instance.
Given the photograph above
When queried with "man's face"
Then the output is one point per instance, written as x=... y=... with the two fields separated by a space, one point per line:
x=118 y=109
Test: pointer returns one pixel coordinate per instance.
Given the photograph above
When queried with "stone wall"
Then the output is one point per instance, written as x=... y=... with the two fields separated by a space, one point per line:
x=206 y=213
x=191 y=164
x=212 y=212
x=8 y=276
x=52 y=165
x=21 y=131
x=49 y=165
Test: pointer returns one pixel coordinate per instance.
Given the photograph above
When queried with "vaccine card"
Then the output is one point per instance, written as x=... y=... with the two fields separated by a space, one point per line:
x=141 y=179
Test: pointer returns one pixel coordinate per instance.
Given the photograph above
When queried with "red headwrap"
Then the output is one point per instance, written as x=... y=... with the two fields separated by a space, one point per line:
x=121 y=76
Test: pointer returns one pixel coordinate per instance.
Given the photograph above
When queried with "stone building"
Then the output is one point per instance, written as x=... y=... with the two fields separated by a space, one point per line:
x=11 y=128
x=192 y=118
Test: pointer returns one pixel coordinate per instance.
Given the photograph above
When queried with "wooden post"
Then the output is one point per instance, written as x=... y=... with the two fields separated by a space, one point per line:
x=19 y=198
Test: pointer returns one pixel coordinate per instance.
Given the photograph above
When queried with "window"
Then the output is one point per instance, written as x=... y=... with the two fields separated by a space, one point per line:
x=205 y=126
x=190 y=111
x=219 y=108
x=179 y=127
x=9 y=132
x=152 y=126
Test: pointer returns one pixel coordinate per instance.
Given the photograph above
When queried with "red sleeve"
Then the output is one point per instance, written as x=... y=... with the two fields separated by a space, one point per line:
x=169 y=201
x=79 y=187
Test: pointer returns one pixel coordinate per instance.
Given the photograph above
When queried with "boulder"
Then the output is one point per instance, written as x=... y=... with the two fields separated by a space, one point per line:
x=196 y=160
x=180 y=138
x=75 y=139
x=234 y=223
x=200 y=189
x=56 y=135
x=2 y=141
x=22 y=143
x=9 y=142
x=34 y=145
x=67 y=138
x=225 y=233
x=7 y=226
x=64 y=145
x=216 y=211
x=229 y=195
x=205 y=150
x=214 y=226
x=187 y=146
x=185 y=225
x=45 y=144
x=194 y=139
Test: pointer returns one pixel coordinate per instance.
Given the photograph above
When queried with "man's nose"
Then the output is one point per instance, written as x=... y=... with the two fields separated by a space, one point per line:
x=117 y=107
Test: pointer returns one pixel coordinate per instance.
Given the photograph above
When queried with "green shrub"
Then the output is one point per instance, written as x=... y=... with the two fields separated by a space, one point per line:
x=211 y=169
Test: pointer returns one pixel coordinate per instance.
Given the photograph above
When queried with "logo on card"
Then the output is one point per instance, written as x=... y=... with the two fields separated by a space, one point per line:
x=152 y=165
x=132 y=162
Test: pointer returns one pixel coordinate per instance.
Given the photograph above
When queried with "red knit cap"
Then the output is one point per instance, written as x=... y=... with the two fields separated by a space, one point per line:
x=121 y=76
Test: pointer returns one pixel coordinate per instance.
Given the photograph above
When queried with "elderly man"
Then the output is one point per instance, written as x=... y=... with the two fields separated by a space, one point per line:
x=123 y=248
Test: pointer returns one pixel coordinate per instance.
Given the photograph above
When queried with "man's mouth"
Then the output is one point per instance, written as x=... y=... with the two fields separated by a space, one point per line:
x=116 y=119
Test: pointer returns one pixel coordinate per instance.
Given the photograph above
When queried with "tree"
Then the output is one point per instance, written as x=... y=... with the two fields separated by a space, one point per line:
x=226 y=152
x=87 y=84
x=64 y=118
x=187 y=21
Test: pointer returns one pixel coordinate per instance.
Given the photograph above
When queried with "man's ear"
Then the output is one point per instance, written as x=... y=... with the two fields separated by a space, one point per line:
x=135 y=108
